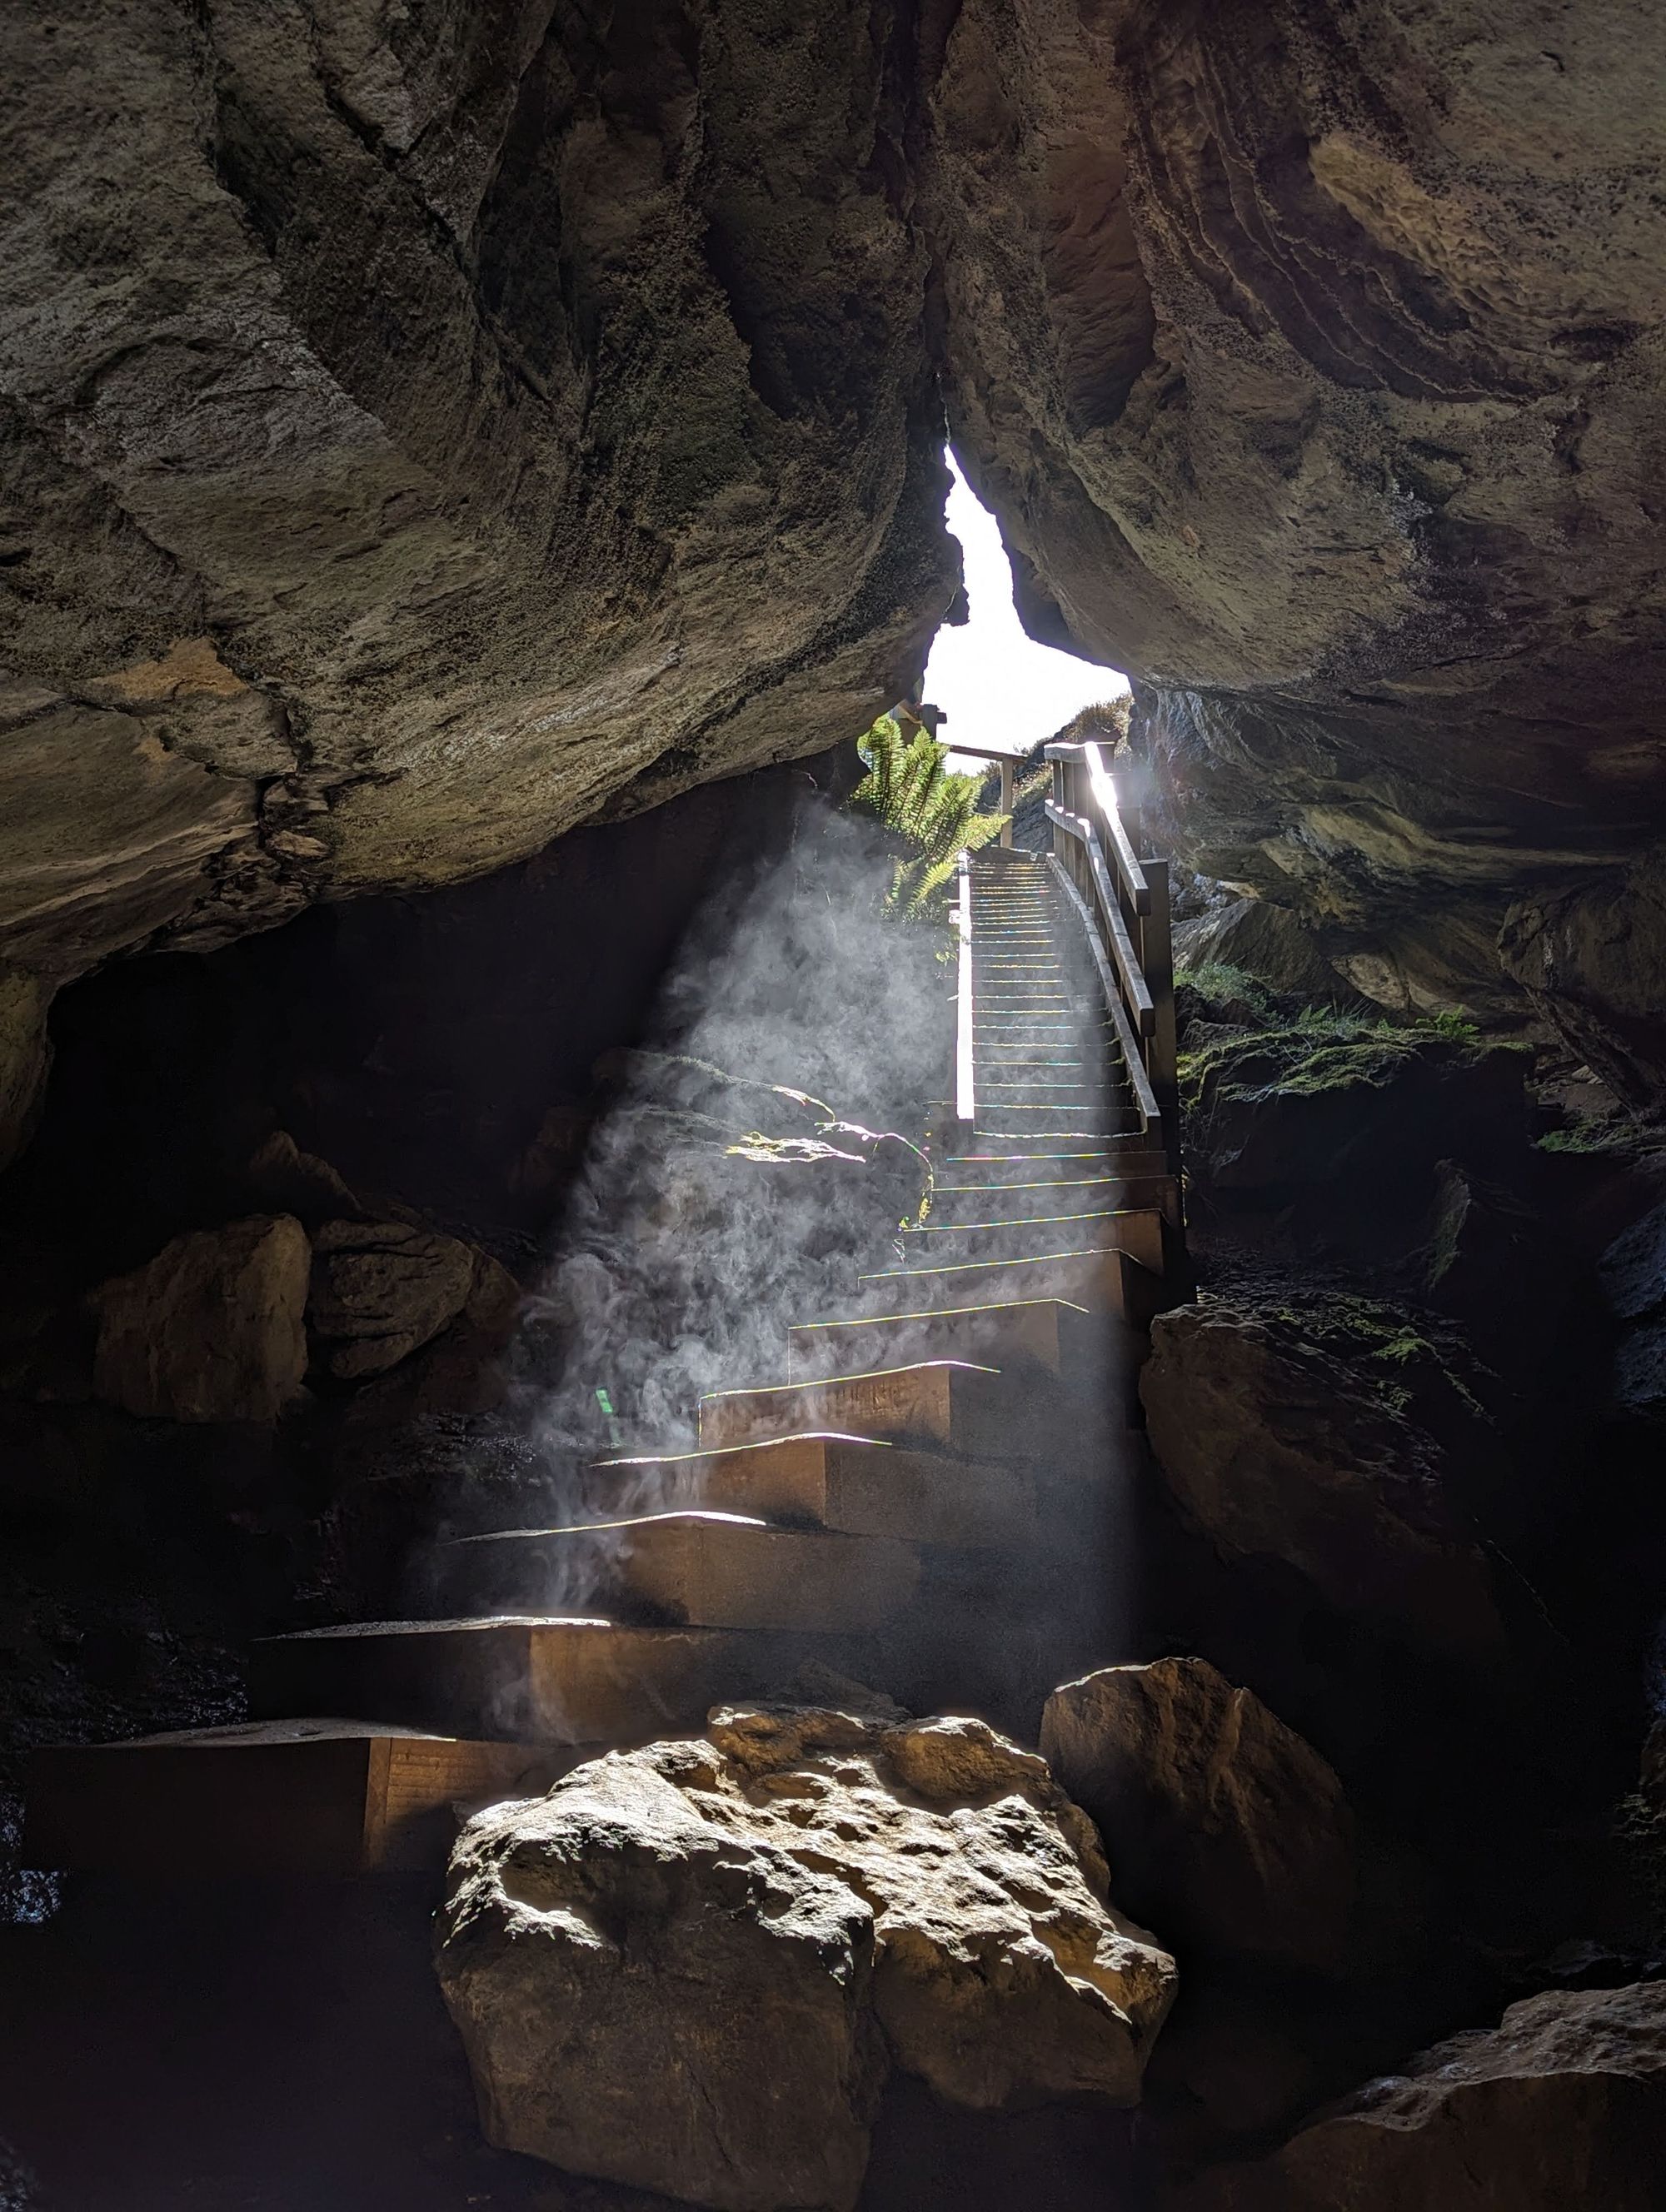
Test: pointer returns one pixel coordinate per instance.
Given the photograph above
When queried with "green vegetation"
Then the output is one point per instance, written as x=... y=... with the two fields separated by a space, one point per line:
x=1301 y=1053
x=1416 y=1361
x=910 y=793
x=1105 y=723
x=1227 y=990
x=1588 y=1137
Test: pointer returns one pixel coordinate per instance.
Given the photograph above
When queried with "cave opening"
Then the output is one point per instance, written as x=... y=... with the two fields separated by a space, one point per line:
x=997 y=687
x=735 y=1472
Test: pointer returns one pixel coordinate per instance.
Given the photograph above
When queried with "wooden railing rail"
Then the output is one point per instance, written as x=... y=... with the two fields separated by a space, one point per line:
x=965 y=1094
x=1123 y=902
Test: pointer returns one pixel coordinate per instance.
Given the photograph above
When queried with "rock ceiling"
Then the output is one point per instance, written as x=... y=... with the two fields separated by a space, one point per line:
x=426 y=430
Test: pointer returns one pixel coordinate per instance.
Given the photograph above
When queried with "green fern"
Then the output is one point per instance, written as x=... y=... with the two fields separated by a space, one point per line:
x=915 y=798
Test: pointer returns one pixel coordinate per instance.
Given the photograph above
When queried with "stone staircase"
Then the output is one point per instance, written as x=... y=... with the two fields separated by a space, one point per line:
x=922 y=1500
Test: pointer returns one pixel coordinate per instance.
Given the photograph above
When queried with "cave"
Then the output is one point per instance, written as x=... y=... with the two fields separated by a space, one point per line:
x=761 y=1448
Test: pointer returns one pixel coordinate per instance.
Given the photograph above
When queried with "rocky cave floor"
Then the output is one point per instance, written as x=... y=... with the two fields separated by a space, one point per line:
x=1402 y=1482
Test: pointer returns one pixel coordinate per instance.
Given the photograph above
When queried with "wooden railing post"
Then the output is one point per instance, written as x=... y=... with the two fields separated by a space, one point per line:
x=1157 y=961
x=965 y=1098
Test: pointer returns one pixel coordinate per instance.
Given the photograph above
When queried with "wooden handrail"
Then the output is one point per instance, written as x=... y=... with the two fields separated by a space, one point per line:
x=1135 y=988
x=1104 y=794
x=1122 y=903
x=1145 y=1098
x=1104 y=790
x=965 y=1096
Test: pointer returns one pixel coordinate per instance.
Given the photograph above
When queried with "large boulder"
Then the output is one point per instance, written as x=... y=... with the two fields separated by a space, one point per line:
x=1227 y=1830
x=1277 y=1448
x=1562 y=2105
x=382 y=1288
x=211 y=1329
x=688 y=1967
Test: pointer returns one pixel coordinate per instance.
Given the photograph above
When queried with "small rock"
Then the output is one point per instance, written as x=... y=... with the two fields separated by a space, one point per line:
x=211 y=1329
x=687 y=1968
x=1479 y=1236
x=382 y=1288
x=1651 y=1777
x=283 y=1176
x=1224 y=1827
x=1640 y=1372
x=1563 y=2104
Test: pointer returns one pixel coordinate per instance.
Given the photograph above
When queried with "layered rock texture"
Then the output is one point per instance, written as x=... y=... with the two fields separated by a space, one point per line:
x=1310 y=356
x=689 y=1968
x=423 y=433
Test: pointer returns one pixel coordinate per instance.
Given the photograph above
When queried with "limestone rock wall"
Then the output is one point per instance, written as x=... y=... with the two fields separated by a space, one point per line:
x=423 y=432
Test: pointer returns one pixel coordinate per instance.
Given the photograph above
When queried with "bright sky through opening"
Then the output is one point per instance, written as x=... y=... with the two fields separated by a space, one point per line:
x=997 y=686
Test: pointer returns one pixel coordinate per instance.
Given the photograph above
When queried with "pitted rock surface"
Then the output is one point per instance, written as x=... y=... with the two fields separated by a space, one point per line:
x=382 y=1288
x=686 y=1967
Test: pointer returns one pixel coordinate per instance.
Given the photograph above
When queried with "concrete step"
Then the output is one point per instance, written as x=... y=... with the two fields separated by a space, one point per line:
x=1105 y=1282
x=1137 y=1230
x=969 y=1409
x=318 y=1797
x=860 y=1485
x=536 y=1678
x=985 y=1133
x=700 y=1569
x=956 y=1204
x=1048 y=1340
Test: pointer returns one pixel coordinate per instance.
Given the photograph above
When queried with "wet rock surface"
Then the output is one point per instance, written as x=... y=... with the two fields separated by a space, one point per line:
x=764 y=1920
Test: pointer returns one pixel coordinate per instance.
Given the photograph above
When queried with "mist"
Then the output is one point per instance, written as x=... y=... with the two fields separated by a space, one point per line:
x=712 y=1209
